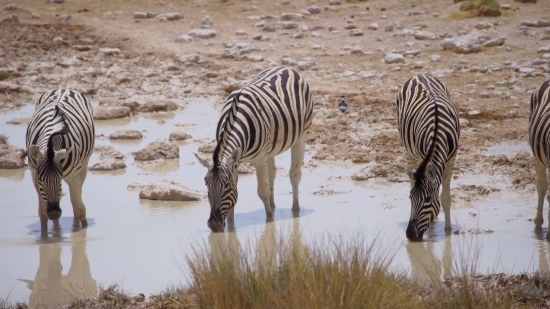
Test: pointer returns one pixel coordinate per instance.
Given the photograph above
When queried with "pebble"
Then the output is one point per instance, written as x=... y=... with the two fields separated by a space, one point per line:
x=373 y=26
x=356 y=32
x=140 y=15
x=389 y=28
x=184 y=38
x=544 y=49
x=202 y=33
x=10 y=19
x=394 y=58
x=484 y=95
x=314 y=9
x=289 y=25
x=126 y=134
x=11 y=7
x=307 y=64
x=334 y=2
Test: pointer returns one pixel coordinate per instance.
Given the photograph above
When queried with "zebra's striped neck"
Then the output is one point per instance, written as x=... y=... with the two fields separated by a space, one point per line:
x=229 y=140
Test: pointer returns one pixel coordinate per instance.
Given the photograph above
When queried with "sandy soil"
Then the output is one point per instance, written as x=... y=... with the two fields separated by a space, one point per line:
x=37 y=54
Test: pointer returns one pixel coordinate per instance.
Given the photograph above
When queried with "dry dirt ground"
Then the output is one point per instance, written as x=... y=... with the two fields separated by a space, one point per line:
x=490 y=88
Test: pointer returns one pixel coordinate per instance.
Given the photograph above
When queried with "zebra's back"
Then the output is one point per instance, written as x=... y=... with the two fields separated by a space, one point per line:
x=416 y=114
x=539 y=123
x=63 y=108
x=274 y=110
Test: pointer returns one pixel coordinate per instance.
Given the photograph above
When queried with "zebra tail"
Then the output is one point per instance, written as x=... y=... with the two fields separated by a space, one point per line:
x=229 y=120
x=59 y=128
x=421 y=171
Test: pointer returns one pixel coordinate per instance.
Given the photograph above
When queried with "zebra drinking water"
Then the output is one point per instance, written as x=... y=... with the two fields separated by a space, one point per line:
x=429 y=129
x=60 y=140
x=258 y=122
x=539 y=140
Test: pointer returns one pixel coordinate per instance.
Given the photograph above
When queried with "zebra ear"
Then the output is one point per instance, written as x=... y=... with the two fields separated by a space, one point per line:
x=203 y=161
x=35 y=153
x=233 y=159
x=410 y=172
x=430 y=173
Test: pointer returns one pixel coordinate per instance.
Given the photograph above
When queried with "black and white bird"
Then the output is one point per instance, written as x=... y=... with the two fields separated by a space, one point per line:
x=342 y=106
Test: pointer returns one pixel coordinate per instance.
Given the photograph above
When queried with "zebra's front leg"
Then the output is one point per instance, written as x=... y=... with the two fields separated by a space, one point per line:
x=297 y=158
x=41 y=209
x=446 y=194
x=75 y=190
x=272 y=173
x=263 y=188
x=542 y=188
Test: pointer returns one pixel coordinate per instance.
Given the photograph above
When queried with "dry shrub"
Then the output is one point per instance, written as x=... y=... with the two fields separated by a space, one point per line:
x=476 y=8
x=3 y=139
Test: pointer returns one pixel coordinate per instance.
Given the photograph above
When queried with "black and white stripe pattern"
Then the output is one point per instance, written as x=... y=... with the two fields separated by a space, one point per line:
x=60 y=141
x=429 y=128
x=258 y=122
x=539 y=139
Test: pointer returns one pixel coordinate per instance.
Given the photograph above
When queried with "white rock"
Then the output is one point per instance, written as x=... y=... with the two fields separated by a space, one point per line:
x=289 y=25
x=104 y=112
x=202 y=33
x=356 y=32
x=314 y=9
x=373 y=26
x=483 y=25
x=108 y=165
x=435 y=58
x=157 y=150
x=334 y=2
x=307 y=64
x=424 y=35
x=109 y=51
x=179 y=136
x=484 y=95
x=140 y=15
x=11 y=157
x=536 y=23
x=168 y=190
x=394 y=58
x=184 y=38
x=126 y=134
x=544 y=49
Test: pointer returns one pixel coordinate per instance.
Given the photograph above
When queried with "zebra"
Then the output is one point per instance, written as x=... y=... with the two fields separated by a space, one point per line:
x=342 y=106
x=539 y=140
x=429 y=129
x=263 y=119
x=60 y=140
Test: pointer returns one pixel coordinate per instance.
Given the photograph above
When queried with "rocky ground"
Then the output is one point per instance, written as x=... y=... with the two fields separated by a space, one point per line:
x=148 y=56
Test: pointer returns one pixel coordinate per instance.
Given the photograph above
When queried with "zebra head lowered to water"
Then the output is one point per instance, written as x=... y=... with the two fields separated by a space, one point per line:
x=60 y=140
x=268 y=116
x=429 y=129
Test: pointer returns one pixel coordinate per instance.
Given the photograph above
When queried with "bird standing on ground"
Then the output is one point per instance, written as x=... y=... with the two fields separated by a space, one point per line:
x=342 y=106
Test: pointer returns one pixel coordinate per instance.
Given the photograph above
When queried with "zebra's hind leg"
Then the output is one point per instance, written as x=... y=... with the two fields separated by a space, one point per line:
x=272 y=173
x=263 y=187
x=297 y=158
x=446 y=193
x=542 y=188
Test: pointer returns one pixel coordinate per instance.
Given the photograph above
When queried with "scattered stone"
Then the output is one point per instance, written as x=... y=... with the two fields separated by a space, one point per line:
x=261 y=37
x=356 y=32
x=373 y=26
x=307 y=64
x=184 y=38
x=170 y=16
x=126 y=134
x=483 y=25
x=424 y=35
x=505 y=6
x=179 y=136
x=64 y=18
x=544 y=49
x=11 y=157
x=151 y=14
x=435 y=58
x=168 y=190
x=394 y=58
x=371 y=74
x=350 y=26
x=10 y=19
x=269 y=28
x=314 y=9
x=536 y=23
x=157 y=150
x=389 y=28
x=104 y=112
x=17 y=121
x=298 y=35
x=304 y=28
x=82 y=47
x=208 y=146
x=470 y=43
x=35 y=16
x=11 y=7
x=207 y=22
x=316 y=46
x=202 y=33
x=158 y=106
x=413 y=13
x=108 y=165
x=140 y=15
x=55 y=1
x=494 y=42
x=109 y=51
x=291 y=16
x=334 y=2
x=411 y=53
x=289 y=25
x=484 y=95
x=288 y=61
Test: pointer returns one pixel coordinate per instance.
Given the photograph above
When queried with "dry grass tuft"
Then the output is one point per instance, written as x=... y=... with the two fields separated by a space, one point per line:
x=475 y=8
x=3 y=139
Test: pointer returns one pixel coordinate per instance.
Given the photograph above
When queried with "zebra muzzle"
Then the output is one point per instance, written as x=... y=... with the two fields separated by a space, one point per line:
x=53 y=212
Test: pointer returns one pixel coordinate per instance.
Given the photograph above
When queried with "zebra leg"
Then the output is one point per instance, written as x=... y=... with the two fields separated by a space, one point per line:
x=272 y=171
x=297 y=158
x=542 y=188
x=41 y=209
x=263 y=187
x=75 y=189
x=446 y=193
x=231 y=220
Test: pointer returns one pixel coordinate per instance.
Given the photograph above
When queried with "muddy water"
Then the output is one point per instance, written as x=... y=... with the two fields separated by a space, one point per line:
x=141 y=244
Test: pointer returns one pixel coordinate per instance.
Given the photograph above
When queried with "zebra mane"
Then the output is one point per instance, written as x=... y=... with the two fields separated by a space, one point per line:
x=229 y=121
x=420 y=173
x=58 y=127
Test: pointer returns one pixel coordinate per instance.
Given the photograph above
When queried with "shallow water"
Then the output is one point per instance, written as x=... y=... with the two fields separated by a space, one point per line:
x=141 y=244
